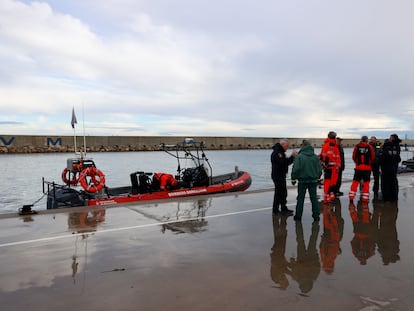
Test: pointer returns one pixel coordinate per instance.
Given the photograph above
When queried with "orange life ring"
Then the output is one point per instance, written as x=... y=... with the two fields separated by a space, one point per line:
x=69 y=177
x=92 y=179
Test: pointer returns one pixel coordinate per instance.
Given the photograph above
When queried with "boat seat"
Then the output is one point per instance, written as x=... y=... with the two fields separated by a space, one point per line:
x=145 y=183
x=195 y=177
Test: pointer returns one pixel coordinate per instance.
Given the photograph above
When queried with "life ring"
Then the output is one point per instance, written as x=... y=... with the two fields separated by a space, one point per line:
x=95 y=182
x=69 y=177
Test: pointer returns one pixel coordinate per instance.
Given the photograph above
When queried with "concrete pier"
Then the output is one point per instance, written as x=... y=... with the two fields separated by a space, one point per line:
x=223 y=252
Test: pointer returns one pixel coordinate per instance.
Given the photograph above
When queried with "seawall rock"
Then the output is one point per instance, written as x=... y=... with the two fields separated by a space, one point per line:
x=10 y=144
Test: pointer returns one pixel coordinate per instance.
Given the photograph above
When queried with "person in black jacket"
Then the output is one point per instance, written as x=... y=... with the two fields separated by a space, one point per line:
x=280 y=165
x=376 y=164
x=389 y=159
x=338 y=191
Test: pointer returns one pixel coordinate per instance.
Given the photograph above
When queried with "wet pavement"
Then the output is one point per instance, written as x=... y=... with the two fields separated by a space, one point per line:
x=223 y=252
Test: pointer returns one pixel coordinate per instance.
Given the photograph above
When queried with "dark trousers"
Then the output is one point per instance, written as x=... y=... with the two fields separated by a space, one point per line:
x=389 y=187
x=280 y=196
x=311 y=187
x=376 y=175
x=339 y=182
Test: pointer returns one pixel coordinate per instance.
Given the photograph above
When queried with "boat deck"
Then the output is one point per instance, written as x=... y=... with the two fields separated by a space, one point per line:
x=221 y=252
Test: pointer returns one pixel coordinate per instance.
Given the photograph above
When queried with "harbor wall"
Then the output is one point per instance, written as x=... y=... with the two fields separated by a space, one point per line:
x=44 y=144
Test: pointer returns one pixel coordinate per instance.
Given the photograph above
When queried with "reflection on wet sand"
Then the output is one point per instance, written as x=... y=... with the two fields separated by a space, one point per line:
x=83 y=223
x=279 y=267
x=385 y=235
x=306 y=266
x=187 y=216
x=376 y=230
x=362 y=243
x=74 y=266
x=196 y=219
x=333 y=228
x=370 y=232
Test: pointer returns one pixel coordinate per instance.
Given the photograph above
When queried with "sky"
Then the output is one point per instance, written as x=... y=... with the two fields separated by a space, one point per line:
x=263 y=68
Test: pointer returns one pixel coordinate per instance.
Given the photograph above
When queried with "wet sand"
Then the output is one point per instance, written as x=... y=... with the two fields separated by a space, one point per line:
x=223 y=252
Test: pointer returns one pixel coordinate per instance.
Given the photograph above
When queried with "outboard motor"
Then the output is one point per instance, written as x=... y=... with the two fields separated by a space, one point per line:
x=64 y=197
x=141 y=182
x=134 y=182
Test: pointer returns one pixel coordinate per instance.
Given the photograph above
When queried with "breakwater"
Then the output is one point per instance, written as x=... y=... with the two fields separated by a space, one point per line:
x=45 y=144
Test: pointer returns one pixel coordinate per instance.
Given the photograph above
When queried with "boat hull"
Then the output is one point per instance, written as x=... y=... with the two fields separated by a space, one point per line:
x=407 y=166
x=408 y=163
x=67 y=197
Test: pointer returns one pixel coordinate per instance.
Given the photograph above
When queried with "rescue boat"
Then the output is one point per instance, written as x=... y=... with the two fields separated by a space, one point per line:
x=407 y=166
x=85 y=185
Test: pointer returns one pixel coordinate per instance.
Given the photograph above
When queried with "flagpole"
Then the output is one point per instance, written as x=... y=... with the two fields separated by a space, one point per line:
x=73 y=122
x=74 y=139
x=83 y=122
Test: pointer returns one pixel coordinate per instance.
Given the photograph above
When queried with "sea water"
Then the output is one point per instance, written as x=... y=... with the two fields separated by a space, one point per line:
x=21 y=174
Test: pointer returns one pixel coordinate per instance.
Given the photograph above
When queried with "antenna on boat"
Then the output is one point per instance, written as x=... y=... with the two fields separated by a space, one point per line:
x=84 y=135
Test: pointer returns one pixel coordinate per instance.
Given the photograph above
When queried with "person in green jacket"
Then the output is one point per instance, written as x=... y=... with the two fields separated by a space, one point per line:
x=307 y=170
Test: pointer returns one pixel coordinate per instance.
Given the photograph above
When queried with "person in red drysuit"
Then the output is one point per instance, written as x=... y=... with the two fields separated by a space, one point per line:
x=331 y=162
x=363 y=156
x=167 y=181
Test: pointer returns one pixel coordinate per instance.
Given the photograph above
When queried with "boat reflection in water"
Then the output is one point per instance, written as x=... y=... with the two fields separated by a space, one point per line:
x=81 y=224
x=186 y=216
x=189 y=218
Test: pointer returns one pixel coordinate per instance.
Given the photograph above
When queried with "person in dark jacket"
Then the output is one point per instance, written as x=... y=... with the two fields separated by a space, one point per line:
x=375 y=165
x=389 y=159
x=338 y=191
x=307 y=170
x=280 y=164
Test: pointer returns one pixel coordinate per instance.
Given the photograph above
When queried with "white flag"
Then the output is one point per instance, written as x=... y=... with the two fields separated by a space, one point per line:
x=74 y=121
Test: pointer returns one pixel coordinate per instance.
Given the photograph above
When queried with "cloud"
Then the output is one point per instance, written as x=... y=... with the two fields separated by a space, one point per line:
x=274 y=68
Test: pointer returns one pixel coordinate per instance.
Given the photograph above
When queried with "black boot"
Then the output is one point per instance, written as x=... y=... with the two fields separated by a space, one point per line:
x=285 y=210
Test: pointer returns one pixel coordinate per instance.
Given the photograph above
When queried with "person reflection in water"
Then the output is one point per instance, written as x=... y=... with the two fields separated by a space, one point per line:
x=306 y=267
x=384 y=220
x=279 y=268
x=362 y=244
x=333 y=228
